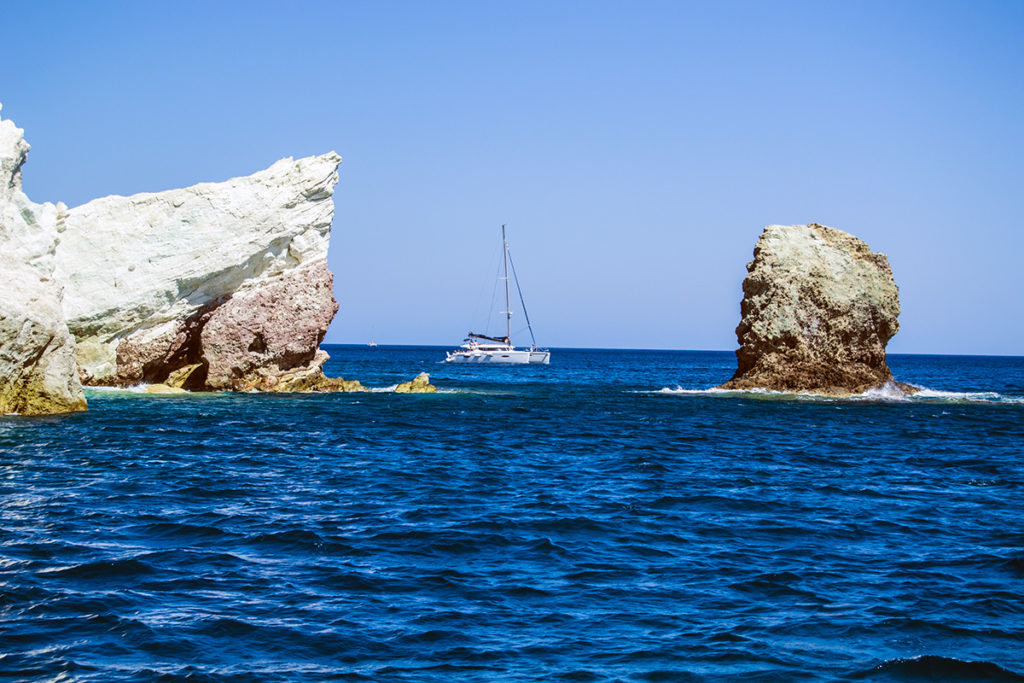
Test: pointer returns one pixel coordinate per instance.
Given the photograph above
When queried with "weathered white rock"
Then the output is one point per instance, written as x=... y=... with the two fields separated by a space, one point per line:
x=229 y=275
x=37 y=353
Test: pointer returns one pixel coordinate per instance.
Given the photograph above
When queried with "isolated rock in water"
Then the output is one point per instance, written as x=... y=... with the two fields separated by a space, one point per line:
x=37 y=352
x=818 y=309
x=228 y=276
x=419 y=385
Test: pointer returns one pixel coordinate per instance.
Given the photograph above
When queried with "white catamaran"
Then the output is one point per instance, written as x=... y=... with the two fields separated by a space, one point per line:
x=481 y=348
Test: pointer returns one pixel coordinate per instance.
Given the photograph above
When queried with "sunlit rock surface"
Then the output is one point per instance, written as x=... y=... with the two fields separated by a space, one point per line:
x=227 y=279
x=420 y=384
x=818 y=309
x=37 y=353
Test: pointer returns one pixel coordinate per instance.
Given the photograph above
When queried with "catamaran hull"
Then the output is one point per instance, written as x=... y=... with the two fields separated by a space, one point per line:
x=501 y=357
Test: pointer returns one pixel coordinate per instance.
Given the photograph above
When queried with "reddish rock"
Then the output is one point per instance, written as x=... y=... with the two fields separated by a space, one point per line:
x=269 y=330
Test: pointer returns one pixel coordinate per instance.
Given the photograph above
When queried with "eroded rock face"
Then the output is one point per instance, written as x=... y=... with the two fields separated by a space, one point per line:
x=818 y=309
x=227 y=279
x=274 y=327
x=38 y=374
x=37 y=352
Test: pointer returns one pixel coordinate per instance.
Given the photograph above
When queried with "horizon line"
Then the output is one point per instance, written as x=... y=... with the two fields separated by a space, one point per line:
x=638 y=348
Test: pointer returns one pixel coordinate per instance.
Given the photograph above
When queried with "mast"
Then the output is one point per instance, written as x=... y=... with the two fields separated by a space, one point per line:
x=522 y=302
x=508 y=309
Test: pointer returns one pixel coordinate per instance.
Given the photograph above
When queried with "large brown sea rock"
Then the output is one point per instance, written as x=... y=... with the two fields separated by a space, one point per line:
x=818 y=309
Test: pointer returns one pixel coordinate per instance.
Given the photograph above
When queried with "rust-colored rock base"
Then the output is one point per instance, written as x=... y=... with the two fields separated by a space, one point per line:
x=262 y=339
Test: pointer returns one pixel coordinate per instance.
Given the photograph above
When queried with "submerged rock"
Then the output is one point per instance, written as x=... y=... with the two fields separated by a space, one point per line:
x=163 y=389
x=818 y=309
x=227 y=280
x=38 y=373
x=419 y=385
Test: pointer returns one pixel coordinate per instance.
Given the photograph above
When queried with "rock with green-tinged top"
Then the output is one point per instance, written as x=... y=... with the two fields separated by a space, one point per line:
x=419 y=385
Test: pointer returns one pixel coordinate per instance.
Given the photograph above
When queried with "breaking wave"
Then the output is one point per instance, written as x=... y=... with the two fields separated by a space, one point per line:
x=934 y=667
x=134 y=389
x=889 y=392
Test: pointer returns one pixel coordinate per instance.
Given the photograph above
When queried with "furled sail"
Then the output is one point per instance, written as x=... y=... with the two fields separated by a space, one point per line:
x=500 y=340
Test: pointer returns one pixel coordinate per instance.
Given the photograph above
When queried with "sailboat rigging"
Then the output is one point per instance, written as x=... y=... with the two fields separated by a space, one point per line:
x=485 y=348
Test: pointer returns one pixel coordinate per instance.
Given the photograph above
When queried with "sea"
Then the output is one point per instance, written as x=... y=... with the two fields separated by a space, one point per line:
x=608 y=517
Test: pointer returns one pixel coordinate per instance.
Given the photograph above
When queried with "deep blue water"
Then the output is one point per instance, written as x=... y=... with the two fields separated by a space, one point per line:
x=569 y=522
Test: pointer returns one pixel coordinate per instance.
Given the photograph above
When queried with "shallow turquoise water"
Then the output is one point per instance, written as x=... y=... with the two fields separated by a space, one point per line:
x=601 y=518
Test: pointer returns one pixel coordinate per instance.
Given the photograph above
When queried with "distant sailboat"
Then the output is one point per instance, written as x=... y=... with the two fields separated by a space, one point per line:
x=481 y=348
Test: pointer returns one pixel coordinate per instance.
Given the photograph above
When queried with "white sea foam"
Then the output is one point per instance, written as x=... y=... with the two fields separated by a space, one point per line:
x=133 y=389
x=973 y=396
x=142 y=389
x=718 y=391
x=443 y=390
x=890 y=392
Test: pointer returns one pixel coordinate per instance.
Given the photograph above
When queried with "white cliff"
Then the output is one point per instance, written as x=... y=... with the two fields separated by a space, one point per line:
x=228 y=277
x=37 y=353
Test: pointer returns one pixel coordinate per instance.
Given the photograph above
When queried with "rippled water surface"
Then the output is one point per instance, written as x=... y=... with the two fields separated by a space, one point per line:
x=597 y=519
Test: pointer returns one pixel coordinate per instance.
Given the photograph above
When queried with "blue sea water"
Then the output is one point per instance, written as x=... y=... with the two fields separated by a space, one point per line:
x=601 y=518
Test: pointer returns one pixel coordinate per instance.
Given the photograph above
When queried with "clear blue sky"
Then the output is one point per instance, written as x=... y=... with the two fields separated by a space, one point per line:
x=635 y=149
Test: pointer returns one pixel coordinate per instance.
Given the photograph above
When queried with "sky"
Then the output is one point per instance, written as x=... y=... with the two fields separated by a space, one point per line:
x=634 y=149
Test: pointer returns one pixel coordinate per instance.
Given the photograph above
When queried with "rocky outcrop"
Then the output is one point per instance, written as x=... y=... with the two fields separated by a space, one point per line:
x=818 y=309
x=227 y=280
x=37 y=353
x=419 y=385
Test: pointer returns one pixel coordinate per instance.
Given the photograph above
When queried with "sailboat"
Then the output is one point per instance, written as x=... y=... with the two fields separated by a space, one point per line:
x=482 y=348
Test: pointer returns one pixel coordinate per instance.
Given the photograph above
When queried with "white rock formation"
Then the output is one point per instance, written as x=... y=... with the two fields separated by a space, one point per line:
x=37 y=353
x=145 y=274
x=215 y=286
